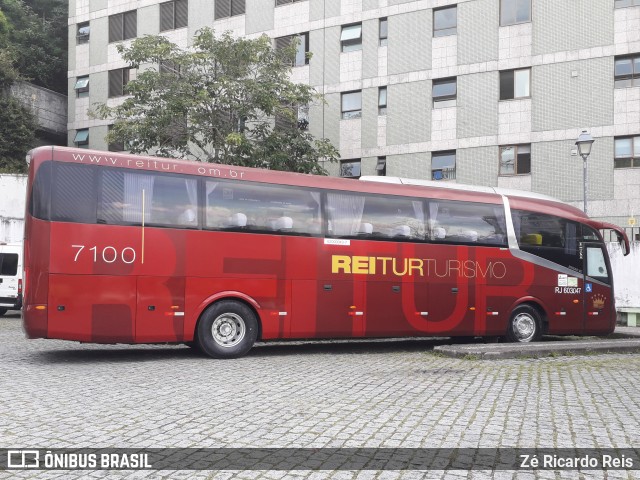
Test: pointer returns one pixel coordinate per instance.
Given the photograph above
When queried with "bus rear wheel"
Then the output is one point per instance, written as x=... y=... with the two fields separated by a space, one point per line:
x=525 y=325
x=227 y=329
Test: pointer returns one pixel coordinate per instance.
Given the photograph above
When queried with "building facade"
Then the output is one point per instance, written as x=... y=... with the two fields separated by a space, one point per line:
x=485 y=92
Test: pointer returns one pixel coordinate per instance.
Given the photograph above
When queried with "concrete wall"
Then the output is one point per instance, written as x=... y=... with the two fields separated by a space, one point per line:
x=12 y=204
x=49 y=108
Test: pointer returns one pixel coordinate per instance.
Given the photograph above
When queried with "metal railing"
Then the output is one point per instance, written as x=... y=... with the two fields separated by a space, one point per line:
x=632 y=232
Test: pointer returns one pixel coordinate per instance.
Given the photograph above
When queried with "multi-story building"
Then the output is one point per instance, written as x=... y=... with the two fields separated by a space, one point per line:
x=485 y=92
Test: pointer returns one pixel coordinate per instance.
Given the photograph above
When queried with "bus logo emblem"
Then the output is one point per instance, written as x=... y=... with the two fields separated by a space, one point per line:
x=598 y=302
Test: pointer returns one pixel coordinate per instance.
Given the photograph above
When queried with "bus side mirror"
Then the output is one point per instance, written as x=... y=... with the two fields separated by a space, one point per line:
x=624 y=243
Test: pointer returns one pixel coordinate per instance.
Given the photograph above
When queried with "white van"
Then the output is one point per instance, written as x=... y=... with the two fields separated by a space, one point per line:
x=10 y=277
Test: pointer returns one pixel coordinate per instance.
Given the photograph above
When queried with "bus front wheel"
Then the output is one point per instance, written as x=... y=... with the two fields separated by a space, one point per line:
x=227 y=329
x=525 y=325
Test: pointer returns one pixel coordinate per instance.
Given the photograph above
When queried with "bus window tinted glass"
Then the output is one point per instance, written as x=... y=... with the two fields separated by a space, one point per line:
x=464 y=222
x=397 y=218
x=40 y=204
x=74 y=193
x=168 y=200
x=369 y=216
x=262 y=208
x=549 y=237
x=174 y=201
x=8 y=264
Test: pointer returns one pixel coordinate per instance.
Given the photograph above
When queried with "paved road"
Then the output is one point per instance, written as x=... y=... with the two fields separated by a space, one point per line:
x=57 y=394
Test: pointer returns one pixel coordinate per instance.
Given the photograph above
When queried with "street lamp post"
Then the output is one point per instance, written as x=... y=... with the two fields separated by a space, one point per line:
x=584 y=142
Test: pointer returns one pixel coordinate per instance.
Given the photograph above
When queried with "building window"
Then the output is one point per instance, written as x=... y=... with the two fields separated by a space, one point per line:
x=123 y=26
x=81 y=139
x=627 y=72
x=445 y=21
x=383 y=31
x=82 y=86
x=626 y=3
x=351 y=38
x=515 y=84
x=381 y=166
x=302 y=47
x=352 y=105
x=627 y=152
x=174 y=15
x=118 y=79
x=115 y=146
x=515 y=11
x=444 y=93
x=515 y=160
x=83 y=32
x=443 y=165
x=229 y=8
x=350 y=168
x=382 y=100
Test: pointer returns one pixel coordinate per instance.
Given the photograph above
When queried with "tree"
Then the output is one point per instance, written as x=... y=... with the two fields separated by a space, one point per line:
x=17 y=125
x=216 y=102
x=36 y=40
x=8 y=73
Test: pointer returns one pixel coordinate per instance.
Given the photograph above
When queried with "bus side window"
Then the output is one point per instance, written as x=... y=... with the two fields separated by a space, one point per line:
x=174 y=201
x=168 y=200
x=74 y=196
x=375 y=217
x=549 y=237
x=40 y=202
x=466 y=223
x=263 y=208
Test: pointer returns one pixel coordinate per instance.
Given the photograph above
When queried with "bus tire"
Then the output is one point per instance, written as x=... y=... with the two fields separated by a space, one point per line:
x=3 y=311
x=525 y=325
x=227 y=329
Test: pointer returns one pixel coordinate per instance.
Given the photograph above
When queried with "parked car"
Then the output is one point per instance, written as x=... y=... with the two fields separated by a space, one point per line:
x=10 y=277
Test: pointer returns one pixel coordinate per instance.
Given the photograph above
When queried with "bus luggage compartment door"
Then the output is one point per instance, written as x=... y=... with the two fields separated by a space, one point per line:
x=160 y=312
x=92 y=308
x=327 y=309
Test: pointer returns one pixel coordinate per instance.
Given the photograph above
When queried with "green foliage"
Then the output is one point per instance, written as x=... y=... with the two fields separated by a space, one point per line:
x=17 y=125
x=216 y=102
x=36 y=41
x=8 y=73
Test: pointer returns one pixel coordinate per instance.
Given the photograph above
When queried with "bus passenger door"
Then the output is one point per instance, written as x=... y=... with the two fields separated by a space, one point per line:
x=160 y=311
x=598 y=294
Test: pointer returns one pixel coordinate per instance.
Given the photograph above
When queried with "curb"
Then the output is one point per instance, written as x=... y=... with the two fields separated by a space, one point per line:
x=537 y=350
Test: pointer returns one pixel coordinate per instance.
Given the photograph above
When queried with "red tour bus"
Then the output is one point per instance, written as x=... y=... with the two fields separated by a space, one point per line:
x=128 y=249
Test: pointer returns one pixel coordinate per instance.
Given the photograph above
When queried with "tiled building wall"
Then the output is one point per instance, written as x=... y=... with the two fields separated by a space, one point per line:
x=478 y=105
x=569 y=95
x=409 y=34
x=591 y=25
x=478 y=31
x=477 y=166
x=409 y=117
x=571 y=84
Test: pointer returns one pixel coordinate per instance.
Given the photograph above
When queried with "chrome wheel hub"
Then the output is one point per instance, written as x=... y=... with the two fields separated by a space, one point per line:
x=524 y=327
x=228 y=330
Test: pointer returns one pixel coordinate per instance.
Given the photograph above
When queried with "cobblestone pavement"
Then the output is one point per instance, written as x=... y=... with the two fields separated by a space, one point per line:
x=57 y=394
